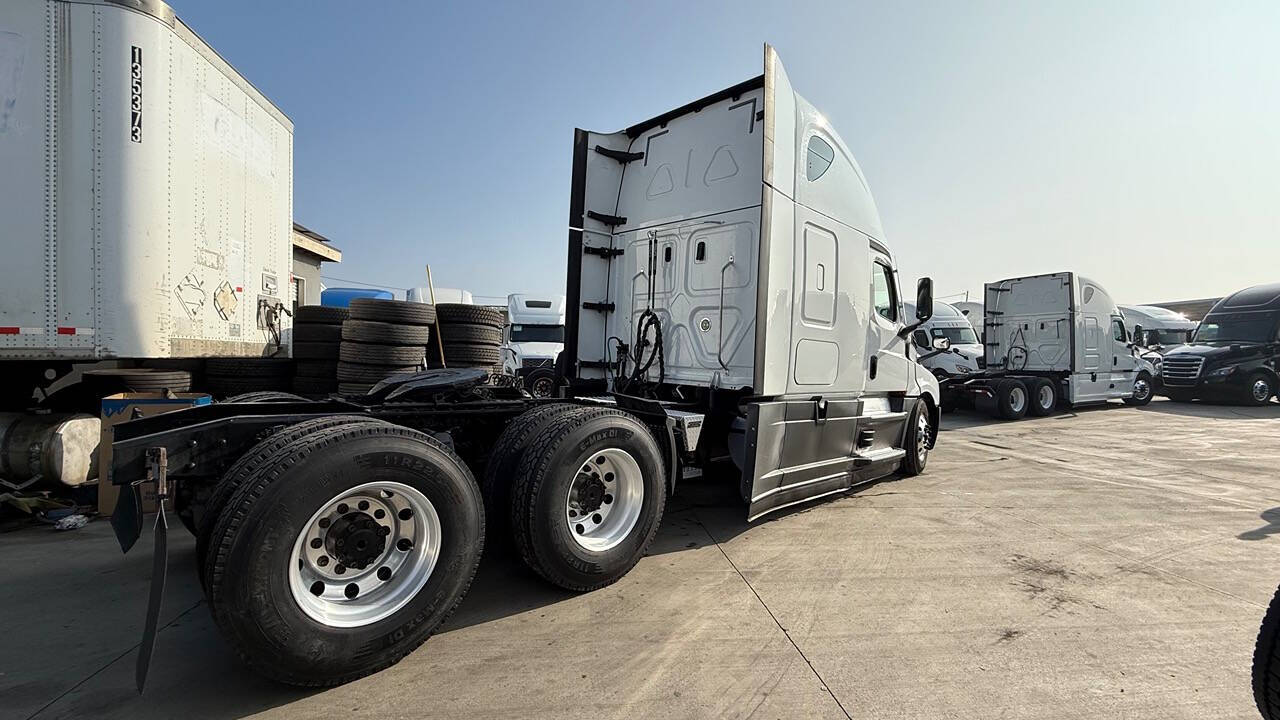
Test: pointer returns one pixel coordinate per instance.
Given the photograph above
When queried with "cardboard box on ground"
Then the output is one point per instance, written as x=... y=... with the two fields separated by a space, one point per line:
x=121 y=408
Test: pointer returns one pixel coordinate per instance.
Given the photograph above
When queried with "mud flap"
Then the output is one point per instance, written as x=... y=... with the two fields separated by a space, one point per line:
x=159 y=573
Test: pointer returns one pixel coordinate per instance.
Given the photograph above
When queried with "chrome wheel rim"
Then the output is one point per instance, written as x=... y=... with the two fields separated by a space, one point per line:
x=1017 y=399
x=1261 y=390
x=1141 y=388
x=1045 y=394
x=922 y=441
x=604 y=500
x=365 y=554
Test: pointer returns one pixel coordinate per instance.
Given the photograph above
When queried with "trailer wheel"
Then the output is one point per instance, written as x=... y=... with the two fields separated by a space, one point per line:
x=1044 y=397
x=1266 y=662
x=501 y=468
x=587 y=498
x=1142 y=390
x=918 y=442
x=1011 y=399
x=248 y=464
x=346 y=553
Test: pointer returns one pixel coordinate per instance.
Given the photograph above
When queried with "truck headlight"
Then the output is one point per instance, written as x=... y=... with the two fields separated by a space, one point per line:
x=1220 y=372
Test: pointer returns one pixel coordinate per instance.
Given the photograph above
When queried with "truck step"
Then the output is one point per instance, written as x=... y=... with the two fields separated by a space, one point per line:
x=862 y=459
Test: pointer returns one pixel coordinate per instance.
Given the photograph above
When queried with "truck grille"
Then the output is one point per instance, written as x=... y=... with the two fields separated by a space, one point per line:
x=1177 y=370
x=529 y=364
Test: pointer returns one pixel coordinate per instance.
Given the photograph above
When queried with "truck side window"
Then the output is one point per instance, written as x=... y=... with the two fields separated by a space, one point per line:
x=820 y=156
x=883 y=295
x=1117 y=330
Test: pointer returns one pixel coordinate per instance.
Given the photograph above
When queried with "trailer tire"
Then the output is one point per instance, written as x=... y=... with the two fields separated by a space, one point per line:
x=372 y=331
x=324 y=369
x=381 y=354
x=320 y=315
x=399 y=312
x=464 y=314
x=222 y=387
x=317 y=332
x=499 y=471
x=1266 y=662
x=471 y=334
x=244 y=467
x=919 y=440
x=315 y=350
x=1011 y=399
x=1043 y=397
x=1143 y=390
x=575 y=557
x=372 y=374
x=240 y=367
x=472 y=355
x=261 y=571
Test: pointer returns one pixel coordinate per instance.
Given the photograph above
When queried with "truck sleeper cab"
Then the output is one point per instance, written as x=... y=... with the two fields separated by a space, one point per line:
x=1233 y=355
x=1049 y=339
x=731 y=309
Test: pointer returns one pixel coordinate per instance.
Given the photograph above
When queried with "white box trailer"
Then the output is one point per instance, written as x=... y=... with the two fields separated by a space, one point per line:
x=146 y=190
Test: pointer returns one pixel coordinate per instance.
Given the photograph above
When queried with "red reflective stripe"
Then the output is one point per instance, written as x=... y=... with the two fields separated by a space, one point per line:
x=8 y=331
x=66 y=331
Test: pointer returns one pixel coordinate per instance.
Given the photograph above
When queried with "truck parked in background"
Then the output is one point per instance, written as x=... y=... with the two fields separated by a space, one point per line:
x=1161 y=328
x=533 y=339
x=731 y=303
x=963 y=354
x=1049 y=339
x=1234 y=355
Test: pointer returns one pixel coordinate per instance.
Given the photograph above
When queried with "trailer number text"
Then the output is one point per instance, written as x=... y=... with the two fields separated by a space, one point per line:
x=135 y=96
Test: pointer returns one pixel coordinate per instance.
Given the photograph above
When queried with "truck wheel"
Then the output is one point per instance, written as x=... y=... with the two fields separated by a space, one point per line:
x=540 y=382
x=1266 y=662
x=587 y=497
x=1259 y=389
x=1142 y=390
x=1044 y=397
x=346 y=553
x=918 y=442
x=249 y=463
x=501 y=467
x=1011 y=399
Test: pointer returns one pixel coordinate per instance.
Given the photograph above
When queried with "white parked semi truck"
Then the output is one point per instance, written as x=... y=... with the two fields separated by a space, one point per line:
x=731 y=302
x=1162 y=328
x=1049 y=339
x=962 y=354
x=146 y=194
x=533 y=339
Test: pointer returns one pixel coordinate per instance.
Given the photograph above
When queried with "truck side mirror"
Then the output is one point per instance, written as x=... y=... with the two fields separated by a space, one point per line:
x=924 y=299
x=921 y=338
x=941 y=343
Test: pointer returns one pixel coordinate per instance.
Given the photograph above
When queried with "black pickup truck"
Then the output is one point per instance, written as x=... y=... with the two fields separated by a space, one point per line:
x=1234 y=354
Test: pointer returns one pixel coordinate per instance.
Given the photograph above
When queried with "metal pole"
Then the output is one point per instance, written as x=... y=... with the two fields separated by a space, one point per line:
x=431 y=288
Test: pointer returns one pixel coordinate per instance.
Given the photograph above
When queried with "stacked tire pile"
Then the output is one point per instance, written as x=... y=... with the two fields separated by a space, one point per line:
x=472 y=337
x=382 y=338
x=224 y=377
x=317 y=339
x=137 y=380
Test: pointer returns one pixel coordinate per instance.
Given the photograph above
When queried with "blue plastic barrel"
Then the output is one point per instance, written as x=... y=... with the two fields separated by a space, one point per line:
x=342 y=297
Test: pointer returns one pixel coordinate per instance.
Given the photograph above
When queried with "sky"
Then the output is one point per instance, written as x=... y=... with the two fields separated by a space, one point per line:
x=1137 y=143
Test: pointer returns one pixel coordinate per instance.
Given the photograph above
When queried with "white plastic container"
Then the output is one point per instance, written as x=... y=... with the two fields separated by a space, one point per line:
x=146 y=189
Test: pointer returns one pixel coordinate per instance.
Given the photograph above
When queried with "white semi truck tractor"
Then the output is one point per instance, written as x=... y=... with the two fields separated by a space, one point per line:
x=533 y=339
x=146 y=193
x=732 y=303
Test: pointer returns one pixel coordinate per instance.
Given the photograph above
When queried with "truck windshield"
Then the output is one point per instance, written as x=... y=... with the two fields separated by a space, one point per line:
x=1168 y=337
x=1250 y=328
x=537 y=333
x=957 y=335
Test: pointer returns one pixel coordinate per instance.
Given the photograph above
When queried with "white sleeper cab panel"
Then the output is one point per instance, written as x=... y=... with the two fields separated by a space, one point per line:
x=147 y=191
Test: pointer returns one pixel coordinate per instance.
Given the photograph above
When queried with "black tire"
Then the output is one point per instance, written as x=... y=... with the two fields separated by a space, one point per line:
x=316 y=332
x=266 y=396
x=1011 y=399
x=113 y=380
x=369 y=331
x=1266 y=662
x=1264 y=382
x=324 y=369
x=495 y=484
x=252 y=544
x=398 y=355
x=540 y=488
x=1042 y=397
x=461 y=313
x=240 y=367
x=1144 y=390
x=352 y=373
x=221 y=387
x=472 y=355
x=541 y=382
x=316 y=350
x=470 y=334
x=399 y=312
x=315 y=386
x=345 y=388
x=244 y=467
x=919 y=439
x=320 y=314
